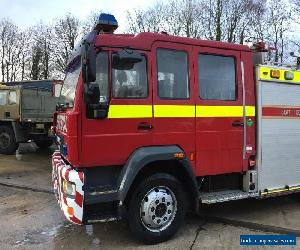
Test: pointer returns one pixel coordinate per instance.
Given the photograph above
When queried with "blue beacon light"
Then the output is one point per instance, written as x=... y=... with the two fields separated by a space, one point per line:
x=106 y=23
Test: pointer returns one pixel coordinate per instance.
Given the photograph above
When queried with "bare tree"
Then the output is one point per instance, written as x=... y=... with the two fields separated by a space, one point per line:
x=41 y=52
x=295 y=43
x=66 y=32
x=182 y=17
x=150 y=20
x=231 y=20
x=9 y=49
x=278 y=23
x=89 y=22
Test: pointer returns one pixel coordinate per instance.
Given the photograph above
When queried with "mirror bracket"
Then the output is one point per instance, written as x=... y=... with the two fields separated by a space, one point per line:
x=97 y=111
x=94 y=108
x=88 y=61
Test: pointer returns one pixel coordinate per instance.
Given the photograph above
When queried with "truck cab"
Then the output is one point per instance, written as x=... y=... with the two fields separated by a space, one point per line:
x=151 y=125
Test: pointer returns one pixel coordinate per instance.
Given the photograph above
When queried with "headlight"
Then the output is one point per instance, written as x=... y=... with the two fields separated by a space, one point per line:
x=68 y=188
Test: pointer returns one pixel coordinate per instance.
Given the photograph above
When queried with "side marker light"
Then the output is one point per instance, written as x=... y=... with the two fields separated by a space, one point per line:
x=275 y=73
x=179 y=155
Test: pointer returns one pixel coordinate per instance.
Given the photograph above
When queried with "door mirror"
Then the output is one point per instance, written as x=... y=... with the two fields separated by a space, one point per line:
x=88 y=62
x=96 y=107
x=126 y=59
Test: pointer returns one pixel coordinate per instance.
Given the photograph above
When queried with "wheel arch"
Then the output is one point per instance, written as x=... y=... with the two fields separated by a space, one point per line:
x=160 y=159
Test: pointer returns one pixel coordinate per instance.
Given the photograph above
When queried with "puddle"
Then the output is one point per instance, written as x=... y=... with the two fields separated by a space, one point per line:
x=38 y=237
x=89 y=230
x=96 y=242
x=53 y=231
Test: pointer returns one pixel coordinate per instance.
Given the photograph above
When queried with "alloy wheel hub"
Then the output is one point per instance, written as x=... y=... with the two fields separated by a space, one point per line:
x=158 y=209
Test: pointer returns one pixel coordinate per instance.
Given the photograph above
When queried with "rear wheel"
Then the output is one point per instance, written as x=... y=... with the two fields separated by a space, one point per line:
x=157 y=209
x=8 y=144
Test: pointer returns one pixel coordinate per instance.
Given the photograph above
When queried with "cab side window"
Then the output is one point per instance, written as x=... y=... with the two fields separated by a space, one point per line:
x=12 y=98
x=129 y=79
x=217 y=77
x=102 y=74
x=172 y=74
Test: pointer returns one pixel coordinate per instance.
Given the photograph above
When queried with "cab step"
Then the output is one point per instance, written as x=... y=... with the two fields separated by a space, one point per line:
x=222 y=196
x=106 y=218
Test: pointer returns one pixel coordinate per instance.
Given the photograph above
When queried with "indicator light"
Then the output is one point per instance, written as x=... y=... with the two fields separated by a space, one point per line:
x=70 y=211
x=275 y=73
x=191 y=156
x=179 y=155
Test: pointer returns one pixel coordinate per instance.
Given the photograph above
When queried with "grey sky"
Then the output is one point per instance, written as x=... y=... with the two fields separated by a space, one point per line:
x=28 y=12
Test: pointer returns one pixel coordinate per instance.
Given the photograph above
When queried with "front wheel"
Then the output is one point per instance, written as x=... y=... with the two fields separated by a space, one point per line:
x=8 y=144
x=157 y=209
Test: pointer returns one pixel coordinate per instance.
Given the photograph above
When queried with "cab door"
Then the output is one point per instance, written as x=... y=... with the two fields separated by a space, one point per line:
x=219 y=111
x=173 y=98
x=128 y=126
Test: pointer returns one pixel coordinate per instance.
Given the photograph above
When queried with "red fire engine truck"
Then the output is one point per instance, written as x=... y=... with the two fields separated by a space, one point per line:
x=151 y=125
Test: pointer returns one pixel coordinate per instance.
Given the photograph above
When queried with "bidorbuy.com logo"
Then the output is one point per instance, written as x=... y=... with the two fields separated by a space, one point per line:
x=268 y=240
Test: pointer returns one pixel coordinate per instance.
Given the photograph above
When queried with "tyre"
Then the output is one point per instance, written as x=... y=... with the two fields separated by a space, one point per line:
x=8 y=144
x=44 y=144
x=157 y=209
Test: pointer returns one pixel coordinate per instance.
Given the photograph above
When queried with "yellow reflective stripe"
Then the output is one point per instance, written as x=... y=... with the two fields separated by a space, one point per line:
x=265 y=74
x=250 y=110
x=281 y=190
x=174 y=111
x=274 y=191
x=179 y=111
x=224 y=111
x=130 y=111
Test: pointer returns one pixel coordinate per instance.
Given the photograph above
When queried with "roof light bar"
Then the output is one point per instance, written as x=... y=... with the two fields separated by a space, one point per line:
x=106 y=23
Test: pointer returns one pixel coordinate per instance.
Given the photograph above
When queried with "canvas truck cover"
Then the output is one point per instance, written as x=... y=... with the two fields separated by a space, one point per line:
x=27 y=104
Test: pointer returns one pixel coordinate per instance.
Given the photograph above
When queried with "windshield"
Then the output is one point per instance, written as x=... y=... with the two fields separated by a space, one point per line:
x=3 y=97
x=69 y=86
x=73 y=71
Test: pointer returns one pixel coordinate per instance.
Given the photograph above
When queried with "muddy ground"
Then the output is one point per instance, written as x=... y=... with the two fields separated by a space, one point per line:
x=30 y=217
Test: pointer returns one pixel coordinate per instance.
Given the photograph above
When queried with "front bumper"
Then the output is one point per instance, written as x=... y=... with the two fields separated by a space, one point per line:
x=71 y=206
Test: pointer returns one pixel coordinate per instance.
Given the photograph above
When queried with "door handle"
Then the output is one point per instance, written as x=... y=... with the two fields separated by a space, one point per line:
x=145 y=126
x=237 y=124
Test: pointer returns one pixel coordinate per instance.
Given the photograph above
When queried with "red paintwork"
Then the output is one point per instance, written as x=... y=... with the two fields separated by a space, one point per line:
x=281 y=112
x=247 y=58
x=215 y=144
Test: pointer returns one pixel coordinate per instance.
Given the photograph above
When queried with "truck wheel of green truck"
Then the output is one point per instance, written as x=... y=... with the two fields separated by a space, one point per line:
x=157 y=208
x=8 y=144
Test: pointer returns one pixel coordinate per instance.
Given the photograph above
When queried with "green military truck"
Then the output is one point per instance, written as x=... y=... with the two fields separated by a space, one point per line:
x=26 y=111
